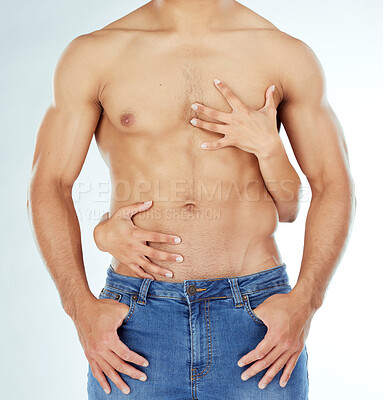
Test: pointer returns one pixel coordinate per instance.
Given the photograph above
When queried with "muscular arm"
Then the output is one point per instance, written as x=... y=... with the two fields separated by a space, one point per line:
x=319 y=146
x=62 y=142
x=318 y=143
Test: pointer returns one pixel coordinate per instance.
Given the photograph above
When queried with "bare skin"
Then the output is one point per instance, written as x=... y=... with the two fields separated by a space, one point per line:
x=133 y=83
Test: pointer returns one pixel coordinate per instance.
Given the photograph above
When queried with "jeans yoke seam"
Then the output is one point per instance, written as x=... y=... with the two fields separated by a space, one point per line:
x=270 y=287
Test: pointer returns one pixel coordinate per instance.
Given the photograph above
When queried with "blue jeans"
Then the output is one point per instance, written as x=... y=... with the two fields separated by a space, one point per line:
x=193 y=333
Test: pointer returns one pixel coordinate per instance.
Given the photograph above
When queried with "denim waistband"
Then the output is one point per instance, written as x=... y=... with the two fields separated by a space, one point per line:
x=199 y=289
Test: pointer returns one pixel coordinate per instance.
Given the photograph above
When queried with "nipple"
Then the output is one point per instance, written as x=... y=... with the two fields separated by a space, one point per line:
x=127 y=119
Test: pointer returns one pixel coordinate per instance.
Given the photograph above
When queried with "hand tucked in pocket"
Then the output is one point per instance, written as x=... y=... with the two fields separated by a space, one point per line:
x=287 y=317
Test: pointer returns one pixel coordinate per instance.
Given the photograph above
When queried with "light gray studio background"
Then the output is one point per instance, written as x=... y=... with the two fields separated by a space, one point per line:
x=40 y=355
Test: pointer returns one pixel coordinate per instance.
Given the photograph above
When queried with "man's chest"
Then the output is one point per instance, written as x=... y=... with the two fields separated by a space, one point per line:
x=153 y=87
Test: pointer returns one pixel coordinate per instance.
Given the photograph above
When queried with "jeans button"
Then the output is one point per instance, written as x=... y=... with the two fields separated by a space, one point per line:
x=192 y=290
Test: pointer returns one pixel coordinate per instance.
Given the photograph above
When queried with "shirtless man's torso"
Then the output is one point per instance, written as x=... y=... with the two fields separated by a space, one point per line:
x=132 y=85
x=216 y=202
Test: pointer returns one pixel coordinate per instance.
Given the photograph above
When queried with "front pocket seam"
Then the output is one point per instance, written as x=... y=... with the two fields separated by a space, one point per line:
x=117 y=296
x=251 y=313
x=131 y=309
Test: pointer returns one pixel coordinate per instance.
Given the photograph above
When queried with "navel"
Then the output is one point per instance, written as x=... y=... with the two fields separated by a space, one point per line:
x=127 y=119
x=189 y=205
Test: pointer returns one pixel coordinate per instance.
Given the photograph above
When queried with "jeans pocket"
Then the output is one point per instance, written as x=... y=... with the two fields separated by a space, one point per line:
x=249 y=308
x=122 y=297
x=253 y=299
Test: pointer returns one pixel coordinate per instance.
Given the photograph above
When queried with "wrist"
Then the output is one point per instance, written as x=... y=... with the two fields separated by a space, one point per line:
x=310 y=297
x=78 y=304
x=273 y=150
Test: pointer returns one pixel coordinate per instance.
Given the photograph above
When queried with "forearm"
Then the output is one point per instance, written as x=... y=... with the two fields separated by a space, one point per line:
x=57 y=234
x=328 y=226
x=281 y=180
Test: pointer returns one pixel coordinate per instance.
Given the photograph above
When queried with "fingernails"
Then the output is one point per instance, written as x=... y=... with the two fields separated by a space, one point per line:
x=179 y=259
x=244 y=377
x=272 y=88
x=143 y=378
x=125 y=390
x=177 y=240
x=145 y=364
x=193 y=121
x=262 y=385
x=217 y=81
x=106 y=390
x=169 y=274
x=204 y=145
x=148 y=202
x=194 y=106
x=283 y=384
x=240 y=364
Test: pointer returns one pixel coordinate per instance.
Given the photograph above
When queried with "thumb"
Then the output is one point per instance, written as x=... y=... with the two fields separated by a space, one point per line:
x=269 y=97
x=128 y=211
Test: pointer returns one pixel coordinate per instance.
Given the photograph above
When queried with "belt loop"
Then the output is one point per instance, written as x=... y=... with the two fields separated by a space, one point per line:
x=233 y=281
x=144 y=290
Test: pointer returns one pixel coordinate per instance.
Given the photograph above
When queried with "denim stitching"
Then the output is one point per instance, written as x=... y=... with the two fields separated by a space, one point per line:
x=131 y=309
x=149 y=295
x=238 y=294
x=194 y=394
x=248 y=309
x=210 y=354
x=193 y=301
x=260 y=290
x=143 y=292
x=108 y=293
x=191 y=346
x=240 y=276
x=208 y=298
x=120 y=290
x=193 y=381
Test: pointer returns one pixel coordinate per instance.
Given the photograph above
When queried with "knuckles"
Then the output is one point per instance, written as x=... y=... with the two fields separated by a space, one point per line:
x=263 y=364
x=213 y=114
x=121 y=367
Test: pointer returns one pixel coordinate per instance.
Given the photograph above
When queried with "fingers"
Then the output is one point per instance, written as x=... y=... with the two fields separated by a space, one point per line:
x=211 y=112
x=99 y=375
x=158 y=254
x=149 y=236
x=263 y=348
x=274 y=369
x=112 y=374
x=128 y=211
x=140 y=271
x=122 y=366
x=262 y=363
x=126 y=354
x=210 y=126
x=290 y=365
x=218 y=144
x=229 y=95
x=154 y=269
x=269 y=103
